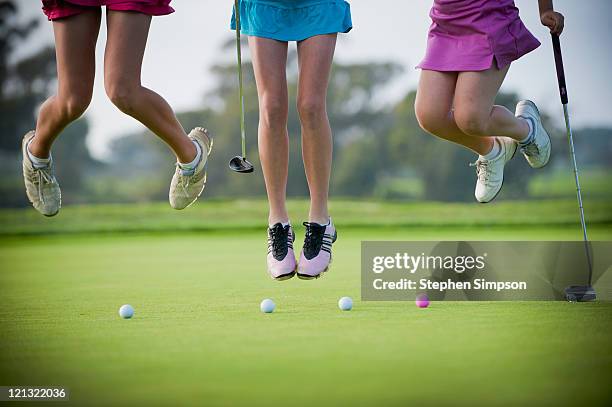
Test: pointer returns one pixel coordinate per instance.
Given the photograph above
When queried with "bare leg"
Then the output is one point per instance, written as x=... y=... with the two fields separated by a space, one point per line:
x=434 y=104
x=125 y=46
x=475 y=118
x=315 y=57
x=75 y=45
x=270 y=64
x=475 y=112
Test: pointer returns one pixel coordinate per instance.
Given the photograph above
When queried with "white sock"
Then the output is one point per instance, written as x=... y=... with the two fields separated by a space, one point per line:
x=37 y=162
x=530 y=135
x=495 y=150
x=325 y=224
x=189 y=167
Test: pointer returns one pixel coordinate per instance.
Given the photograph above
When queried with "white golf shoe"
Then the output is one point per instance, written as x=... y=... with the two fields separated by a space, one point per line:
x=42 y=188
x=490 y=173
x=537 y=150
x=187 y=187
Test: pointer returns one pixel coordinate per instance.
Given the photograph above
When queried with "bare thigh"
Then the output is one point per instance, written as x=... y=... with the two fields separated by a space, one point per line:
x=270 y=64
x=434 y=109
x=315 y=57
x=434 y=99
x=75 y=47
x=475 y=95
x=125 y=47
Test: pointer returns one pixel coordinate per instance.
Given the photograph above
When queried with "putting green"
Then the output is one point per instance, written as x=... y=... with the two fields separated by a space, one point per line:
x=198 y=337
x=196 y=279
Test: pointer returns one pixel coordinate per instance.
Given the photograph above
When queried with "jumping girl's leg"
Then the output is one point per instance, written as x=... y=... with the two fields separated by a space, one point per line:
x=315 y=57
x=476 y=115
x=475 y=112
x=75 y=45
x=433 y=107
x=269 y=63
x=125 y=46
x=474 y=121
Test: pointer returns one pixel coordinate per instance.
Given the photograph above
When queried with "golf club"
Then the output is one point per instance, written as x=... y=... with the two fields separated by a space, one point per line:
x=240 y=163
x=576 y=292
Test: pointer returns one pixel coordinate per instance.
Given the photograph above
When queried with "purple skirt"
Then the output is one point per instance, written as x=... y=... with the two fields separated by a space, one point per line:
x=469 y=35
x=56 y=9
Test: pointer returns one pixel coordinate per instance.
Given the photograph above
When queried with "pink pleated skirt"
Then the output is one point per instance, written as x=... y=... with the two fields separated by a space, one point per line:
x=471 y=35
x=55 y=9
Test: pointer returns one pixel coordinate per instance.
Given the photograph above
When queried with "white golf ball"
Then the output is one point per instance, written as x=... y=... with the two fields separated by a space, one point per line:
x=267 y=306
x=126 y=311
x=345 y=303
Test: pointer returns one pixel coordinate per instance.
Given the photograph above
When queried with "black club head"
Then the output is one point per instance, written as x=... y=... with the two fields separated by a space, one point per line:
x=580 y=293
x=241 y=165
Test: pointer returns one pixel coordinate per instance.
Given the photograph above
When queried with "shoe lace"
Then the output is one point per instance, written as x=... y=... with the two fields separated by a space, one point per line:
x=314 y=239
x=183 y=180
x=531 y=149
x=43 y=176
x=278 y=237
x=482 y=170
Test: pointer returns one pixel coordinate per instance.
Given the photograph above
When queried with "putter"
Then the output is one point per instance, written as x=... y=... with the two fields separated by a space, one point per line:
x=574 y=293
x=240 y=163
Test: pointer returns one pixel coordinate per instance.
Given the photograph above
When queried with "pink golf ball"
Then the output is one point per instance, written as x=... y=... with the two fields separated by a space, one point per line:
x=422 y=301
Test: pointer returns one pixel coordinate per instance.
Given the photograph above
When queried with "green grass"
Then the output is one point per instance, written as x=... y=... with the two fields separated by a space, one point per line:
x=198 y=337
x=252 y=215
x=595 y=183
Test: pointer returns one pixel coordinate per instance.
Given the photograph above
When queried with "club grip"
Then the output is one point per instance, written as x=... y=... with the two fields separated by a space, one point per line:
x=560 y=71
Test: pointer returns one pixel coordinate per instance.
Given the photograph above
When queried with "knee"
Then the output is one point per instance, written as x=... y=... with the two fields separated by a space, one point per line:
x=312 y=111
x=121 y=92
x=273 y=113
x=471 y=122
x=74 y=105
x=429 y=120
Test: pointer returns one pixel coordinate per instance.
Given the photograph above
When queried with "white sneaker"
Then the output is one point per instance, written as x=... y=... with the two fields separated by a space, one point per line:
x=42 y=188
x=490 y=173
x=185 y=189
x=537 y=152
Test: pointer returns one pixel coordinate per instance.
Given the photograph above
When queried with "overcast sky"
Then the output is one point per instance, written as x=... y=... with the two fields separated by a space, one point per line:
x=183 y=45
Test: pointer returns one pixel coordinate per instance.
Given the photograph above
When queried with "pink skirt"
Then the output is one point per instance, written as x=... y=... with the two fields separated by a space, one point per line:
x=55 y=9
x=469 y=35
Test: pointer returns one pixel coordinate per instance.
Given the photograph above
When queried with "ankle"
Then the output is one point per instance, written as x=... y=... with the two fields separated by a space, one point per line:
x=321 y=219
x=273 y=219
x=493 y=152
x=189 y=153
x=189 y=168
x=488 y=143
x=38 y=151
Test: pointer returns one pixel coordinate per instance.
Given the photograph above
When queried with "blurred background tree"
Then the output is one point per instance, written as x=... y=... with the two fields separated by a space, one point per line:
x=24 y=84
x=379 y=150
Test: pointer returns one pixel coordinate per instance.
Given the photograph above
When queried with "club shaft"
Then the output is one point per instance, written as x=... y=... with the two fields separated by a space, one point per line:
x=240 y=86
x=570 y=138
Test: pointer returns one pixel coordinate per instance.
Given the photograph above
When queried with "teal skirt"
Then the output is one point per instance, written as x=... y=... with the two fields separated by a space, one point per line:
x=293 y=20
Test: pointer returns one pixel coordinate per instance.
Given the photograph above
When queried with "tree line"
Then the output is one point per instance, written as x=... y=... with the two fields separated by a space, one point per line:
x=379 y=150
